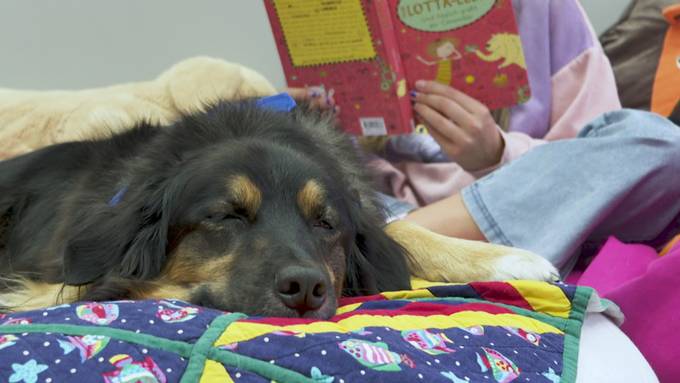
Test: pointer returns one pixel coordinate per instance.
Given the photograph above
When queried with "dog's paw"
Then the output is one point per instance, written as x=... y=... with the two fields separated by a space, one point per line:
x=522 y=264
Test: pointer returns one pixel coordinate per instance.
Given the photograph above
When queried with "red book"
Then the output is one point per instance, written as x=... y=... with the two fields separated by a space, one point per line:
x=368 y=54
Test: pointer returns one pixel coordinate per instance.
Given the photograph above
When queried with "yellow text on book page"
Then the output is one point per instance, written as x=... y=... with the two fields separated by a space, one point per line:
x=324 y=32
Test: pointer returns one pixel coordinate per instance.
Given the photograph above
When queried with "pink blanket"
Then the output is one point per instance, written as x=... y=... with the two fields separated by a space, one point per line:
x=647 y=288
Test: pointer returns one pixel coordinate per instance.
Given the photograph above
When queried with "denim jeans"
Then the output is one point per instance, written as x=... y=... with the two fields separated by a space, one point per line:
x=620 y=176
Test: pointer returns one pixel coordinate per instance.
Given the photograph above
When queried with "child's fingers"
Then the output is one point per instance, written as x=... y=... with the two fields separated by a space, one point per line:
x=470 y=104
x=447 y=107
x=442 y=126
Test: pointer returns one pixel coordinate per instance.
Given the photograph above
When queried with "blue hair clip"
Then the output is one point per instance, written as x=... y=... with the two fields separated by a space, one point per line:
x=115 y=200
x=281 y=102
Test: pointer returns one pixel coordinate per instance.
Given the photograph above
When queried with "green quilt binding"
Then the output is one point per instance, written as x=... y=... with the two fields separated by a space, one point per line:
x=199 y=352
x=572 y=333
x=178 y=347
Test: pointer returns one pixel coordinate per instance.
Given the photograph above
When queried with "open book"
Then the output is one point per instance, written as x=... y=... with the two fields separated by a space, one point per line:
x=369 y=53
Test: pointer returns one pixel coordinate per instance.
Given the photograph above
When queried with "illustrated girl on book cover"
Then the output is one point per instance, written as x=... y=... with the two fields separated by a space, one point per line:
x=444 y=50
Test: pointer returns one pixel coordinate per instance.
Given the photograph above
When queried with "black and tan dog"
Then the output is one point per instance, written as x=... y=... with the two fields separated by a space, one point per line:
x=237 y=208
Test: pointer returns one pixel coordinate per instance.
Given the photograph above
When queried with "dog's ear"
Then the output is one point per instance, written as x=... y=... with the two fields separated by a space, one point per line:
x=375 y=261
x=127 y=240
x=14 y=197
x=10 y=206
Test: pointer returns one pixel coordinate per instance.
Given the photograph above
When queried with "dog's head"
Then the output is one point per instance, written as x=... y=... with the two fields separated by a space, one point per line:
x=242 y=210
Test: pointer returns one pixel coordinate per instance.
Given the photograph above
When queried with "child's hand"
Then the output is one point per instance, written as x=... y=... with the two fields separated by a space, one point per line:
x=461 y=125
x=315 y=96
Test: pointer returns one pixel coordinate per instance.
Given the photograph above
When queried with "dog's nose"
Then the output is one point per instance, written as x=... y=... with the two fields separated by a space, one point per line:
x=302 y=289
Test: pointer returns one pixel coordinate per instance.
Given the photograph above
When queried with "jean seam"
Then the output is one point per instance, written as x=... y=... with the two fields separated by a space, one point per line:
x=595 y=130
x=490 y=222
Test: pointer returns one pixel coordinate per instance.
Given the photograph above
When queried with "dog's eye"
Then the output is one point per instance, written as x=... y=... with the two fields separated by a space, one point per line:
x=323 y=224
x=220 y=217
x=233 y=216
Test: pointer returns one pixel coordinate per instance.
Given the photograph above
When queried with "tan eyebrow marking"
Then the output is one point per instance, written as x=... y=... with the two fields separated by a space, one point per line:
x=310 y=199
x=245 y=194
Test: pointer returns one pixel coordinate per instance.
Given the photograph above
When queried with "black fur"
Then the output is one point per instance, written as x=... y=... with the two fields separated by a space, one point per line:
x=57 y=223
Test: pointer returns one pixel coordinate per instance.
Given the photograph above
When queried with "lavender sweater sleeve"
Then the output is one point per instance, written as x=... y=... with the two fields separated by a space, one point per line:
x=571 y=83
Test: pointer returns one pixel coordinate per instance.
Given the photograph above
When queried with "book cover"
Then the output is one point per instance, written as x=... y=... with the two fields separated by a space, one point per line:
x=348 y=48
x=471 y=45
x=369 y=53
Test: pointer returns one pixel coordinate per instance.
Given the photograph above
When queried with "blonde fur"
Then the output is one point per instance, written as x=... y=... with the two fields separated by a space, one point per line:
x=438 y=258
x=29 y=295
x=33 y=119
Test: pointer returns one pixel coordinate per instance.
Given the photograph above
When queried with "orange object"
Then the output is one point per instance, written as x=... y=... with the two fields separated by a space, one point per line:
x=666 y=89
x=670 y=245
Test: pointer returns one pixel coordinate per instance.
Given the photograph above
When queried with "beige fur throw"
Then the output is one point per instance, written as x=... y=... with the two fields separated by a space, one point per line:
x=32 y=119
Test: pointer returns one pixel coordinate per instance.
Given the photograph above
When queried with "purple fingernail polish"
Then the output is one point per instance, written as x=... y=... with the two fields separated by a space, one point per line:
x=413 y=93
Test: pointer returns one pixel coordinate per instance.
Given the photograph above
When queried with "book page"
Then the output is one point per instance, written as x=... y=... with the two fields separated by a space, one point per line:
x=324 y=32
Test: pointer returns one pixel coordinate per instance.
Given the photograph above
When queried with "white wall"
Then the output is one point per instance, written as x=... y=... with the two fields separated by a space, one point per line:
x=46 y=44
x=603 y=13
x=72 y=44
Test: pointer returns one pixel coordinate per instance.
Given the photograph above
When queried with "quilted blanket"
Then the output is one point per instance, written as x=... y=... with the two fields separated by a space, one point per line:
x=478 y=332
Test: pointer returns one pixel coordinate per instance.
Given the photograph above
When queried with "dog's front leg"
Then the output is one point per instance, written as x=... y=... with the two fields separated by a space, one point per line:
x=438 y=258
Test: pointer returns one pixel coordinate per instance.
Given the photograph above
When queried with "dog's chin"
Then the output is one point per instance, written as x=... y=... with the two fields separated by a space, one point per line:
x=326 y=311
x=271 y=308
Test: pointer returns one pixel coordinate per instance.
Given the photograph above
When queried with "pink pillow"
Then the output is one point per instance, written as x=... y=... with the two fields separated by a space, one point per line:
x=647 y=289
